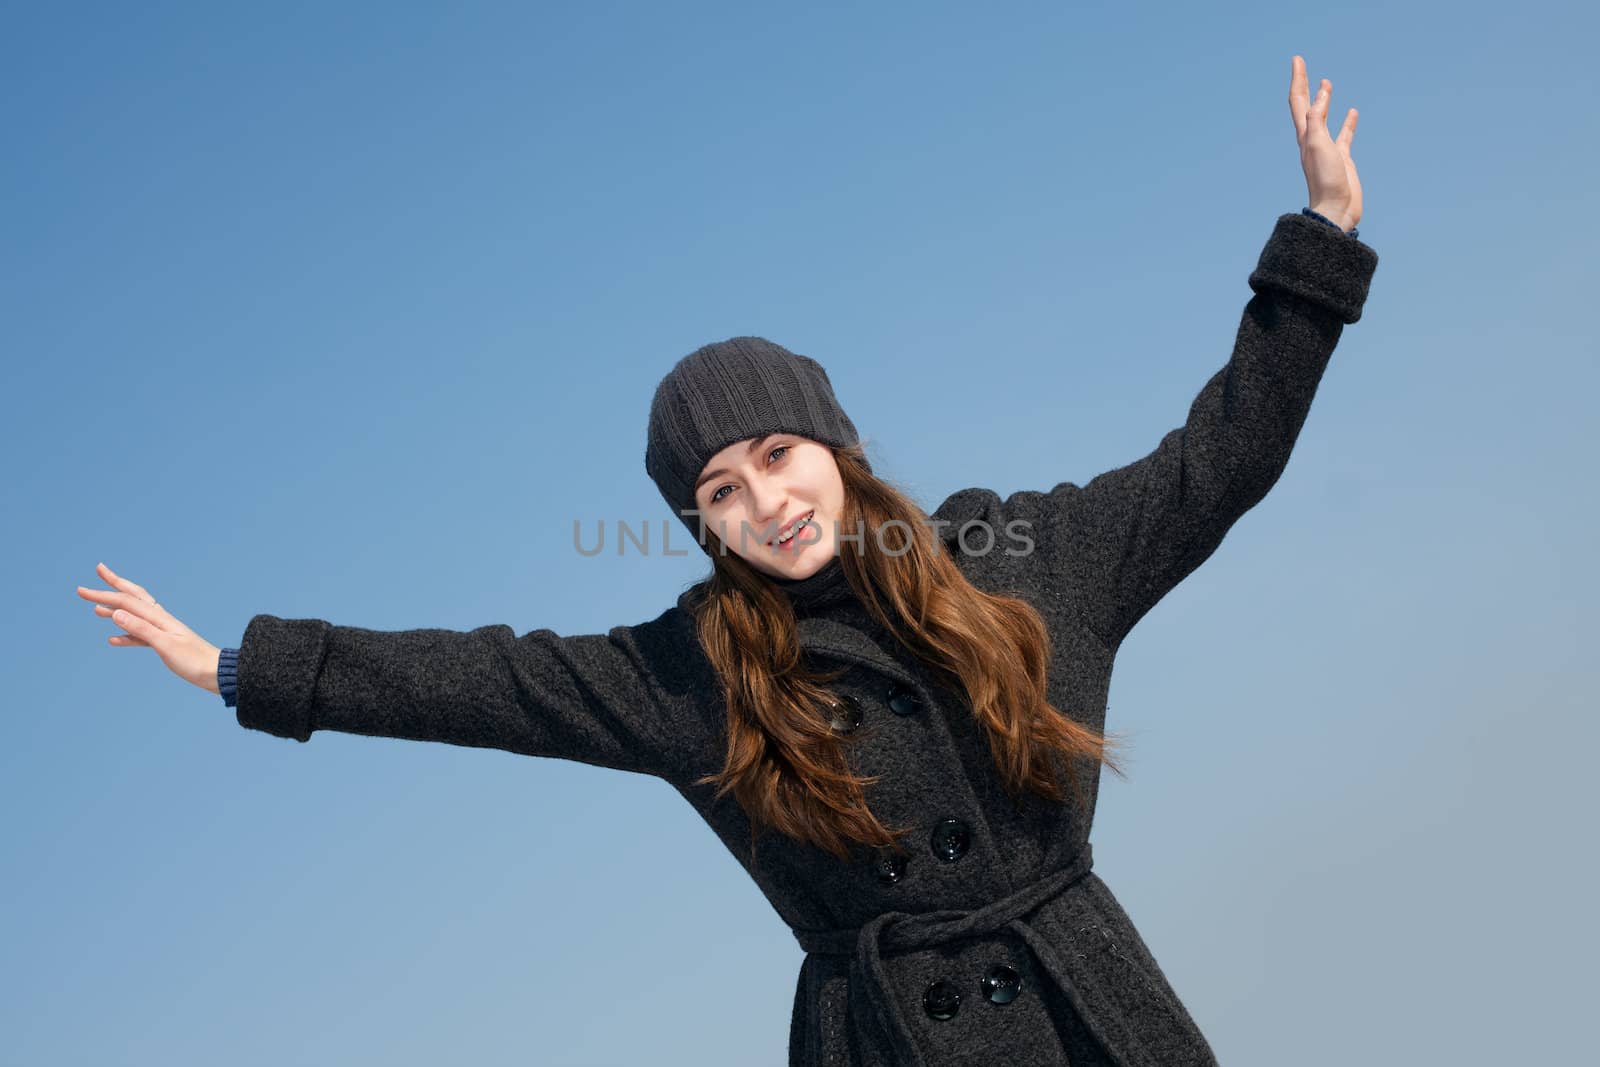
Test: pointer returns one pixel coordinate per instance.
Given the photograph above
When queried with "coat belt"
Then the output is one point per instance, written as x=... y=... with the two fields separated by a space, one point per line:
x=904 y=931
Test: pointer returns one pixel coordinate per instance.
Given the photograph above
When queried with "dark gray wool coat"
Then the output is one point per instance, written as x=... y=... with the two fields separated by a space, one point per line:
x=992 y=942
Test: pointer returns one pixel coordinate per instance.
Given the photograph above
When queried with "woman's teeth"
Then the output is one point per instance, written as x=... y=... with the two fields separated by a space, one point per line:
x=785 y=539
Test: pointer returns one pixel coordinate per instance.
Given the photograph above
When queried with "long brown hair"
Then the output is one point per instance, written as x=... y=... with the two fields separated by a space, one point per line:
x=784 y=765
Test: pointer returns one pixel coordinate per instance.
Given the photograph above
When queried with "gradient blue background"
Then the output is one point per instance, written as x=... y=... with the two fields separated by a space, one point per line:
x=349 y=311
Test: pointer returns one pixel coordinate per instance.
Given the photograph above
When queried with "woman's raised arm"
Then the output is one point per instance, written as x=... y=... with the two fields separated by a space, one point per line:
x=621 y=699
x=1118 y=544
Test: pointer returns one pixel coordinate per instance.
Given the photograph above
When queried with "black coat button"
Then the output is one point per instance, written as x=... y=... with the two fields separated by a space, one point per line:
x=940 y=1000
x=891 y=867
x=845 y=713
x=903 y=701
x=950 y=839
x=1002 y=984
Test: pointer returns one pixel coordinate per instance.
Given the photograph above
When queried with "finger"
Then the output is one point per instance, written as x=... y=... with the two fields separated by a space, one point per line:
x=103 y=611
x=145 y=608
x=121 y=640
x=117 y=600
x=1299 y=100
x=143 y=629
x=115 y=579
x=1317 y=116
x=129 y=607
x=1348 y=131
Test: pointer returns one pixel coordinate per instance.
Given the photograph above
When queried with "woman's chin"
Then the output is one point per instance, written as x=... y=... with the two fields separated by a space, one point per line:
x=794 y=563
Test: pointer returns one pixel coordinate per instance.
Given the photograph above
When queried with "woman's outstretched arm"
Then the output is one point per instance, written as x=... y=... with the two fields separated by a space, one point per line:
x=603 y=699
x=1130 y=535
x=1115 y=546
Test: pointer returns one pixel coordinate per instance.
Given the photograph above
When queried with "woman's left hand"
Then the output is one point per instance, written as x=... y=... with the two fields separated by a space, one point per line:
x=1331 y=181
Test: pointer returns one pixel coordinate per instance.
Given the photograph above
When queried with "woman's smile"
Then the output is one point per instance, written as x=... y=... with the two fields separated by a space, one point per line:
x=793 y=541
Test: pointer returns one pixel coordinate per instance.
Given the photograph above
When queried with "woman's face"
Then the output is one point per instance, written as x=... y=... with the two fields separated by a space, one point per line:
x=755 y=489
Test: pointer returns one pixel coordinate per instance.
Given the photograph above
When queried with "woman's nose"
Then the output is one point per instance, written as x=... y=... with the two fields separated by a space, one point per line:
x=766 y=502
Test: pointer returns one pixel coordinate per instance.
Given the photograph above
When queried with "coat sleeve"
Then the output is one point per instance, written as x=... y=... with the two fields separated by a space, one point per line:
x=593 y=698
x=1116 y=545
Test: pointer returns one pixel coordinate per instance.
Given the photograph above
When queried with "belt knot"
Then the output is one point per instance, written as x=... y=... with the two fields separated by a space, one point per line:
x=895 y=931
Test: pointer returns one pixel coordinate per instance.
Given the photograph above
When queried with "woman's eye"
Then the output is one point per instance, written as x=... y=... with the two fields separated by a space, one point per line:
x=716 y=496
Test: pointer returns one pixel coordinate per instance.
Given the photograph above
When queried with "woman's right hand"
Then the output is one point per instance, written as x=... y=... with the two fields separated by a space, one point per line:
x=149 y=625
x=1332 y=186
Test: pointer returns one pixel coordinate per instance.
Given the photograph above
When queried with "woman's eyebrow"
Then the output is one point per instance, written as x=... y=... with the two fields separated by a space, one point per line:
x=704 y=478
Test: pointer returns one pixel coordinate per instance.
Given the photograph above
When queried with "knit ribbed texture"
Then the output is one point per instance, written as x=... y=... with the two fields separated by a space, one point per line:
x=827 y=594
x=817 y=591
x=228 y=676
x=726 y=392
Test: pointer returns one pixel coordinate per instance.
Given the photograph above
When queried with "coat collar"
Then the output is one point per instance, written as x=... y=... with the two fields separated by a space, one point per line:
x=832 y=638
x=829 y=618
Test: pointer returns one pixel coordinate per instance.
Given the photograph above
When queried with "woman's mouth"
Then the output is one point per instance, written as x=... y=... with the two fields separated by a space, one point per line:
x=790 y=542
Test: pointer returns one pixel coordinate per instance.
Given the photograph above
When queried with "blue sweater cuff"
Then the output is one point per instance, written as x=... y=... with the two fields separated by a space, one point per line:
x=1354 y=231
x=228 y=676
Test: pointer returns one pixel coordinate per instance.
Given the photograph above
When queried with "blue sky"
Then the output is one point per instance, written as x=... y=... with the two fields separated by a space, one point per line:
x=349 y=311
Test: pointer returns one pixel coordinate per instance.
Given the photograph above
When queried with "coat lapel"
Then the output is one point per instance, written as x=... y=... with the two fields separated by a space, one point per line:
x=832 y=638
x=823 y=636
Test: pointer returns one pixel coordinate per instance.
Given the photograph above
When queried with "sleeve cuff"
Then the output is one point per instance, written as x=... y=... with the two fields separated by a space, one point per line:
x=279 y=660
x=1317 y=262
x=228 y=676
x=1354 y=231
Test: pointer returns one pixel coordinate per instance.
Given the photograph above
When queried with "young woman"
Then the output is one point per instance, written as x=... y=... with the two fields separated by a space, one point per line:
x=893 y=719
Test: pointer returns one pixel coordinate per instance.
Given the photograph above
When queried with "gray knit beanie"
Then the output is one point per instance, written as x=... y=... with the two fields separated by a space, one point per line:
x=729 y=391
